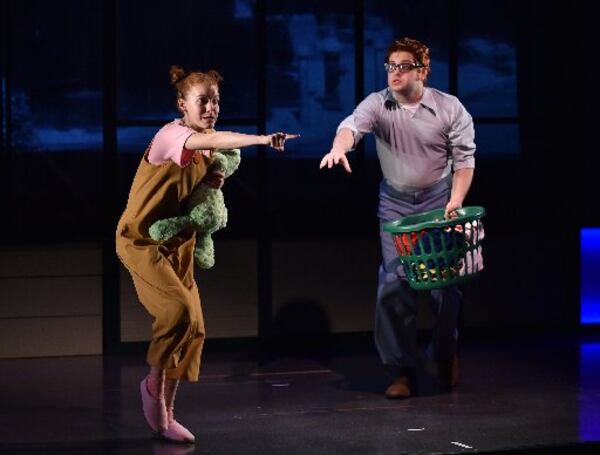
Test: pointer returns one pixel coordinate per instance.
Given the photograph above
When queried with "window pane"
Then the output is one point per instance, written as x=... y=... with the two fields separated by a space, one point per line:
x=55 y=91
x=134 y=140
x=487 y=81
x=387 y=20
x=497 y=139
x=152 y=36
x=55 y=120
x=310 y=71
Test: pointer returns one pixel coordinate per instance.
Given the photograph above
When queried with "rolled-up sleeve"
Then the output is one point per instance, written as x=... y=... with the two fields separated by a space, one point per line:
x=461 y=138
x=363 y=119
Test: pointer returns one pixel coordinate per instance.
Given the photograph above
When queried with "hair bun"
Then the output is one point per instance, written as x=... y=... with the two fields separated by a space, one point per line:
x=177 y=73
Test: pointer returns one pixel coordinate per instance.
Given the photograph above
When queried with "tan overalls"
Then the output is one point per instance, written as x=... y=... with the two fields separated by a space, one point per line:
x=163 y=273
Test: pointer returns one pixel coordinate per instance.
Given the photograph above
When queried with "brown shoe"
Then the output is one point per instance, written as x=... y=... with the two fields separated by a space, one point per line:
x=398 y=389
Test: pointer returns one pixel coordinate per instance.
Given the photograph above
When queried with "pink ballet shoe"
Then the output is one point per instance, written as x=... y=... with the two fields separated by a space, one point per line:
x=175 y=431
x=155 y=410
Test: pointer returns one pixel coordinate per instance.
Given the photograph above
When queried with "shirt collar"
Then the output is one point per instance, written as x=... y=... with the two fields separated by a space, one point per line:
x=427 y=101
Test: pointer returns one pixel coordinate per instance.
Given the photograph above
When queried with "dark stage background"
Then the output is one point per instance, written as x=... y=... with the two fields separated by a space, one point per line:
x=85 y=86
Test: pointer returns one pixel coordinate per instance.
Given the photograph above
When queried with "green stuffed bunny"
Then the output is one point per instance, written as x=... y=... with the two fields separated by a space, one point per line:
x=206 y=212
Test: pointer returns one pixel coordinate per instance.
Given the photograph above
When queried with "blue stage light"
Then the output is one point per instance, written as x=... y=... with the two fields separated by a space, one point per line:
x=590 y=276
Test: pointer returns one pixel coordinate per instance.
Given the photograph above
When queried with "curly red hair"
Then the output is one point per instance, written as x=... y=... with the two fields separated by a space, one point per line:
x=184 y=81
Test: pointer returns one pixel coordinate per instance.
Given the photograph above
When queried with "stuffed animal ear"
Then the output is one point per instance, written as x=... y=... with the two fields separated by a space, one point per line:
x=228 y=161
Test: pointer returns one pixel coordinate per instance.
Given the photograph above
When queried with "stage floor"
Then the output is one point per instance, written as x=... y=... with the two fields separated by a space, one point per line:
x=527 y=394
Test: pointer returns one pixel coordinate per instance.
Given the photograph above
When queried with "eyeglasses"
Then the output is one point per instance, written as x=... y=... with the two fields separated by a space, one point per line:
x=404 y=67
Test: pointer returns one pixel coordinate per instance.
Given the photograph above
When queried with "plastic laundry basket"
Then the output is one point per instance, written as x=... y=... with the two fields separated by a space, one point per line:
x=436 y=252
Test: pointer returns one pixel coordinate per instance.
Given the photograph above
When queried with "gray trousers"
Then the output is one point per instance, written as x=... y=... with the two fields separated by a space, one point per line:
x=396 y=309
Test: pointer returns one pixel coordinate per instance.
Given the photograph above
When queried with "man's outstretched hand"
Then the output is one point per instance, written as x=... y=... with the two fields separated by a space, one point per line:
x=335 y=157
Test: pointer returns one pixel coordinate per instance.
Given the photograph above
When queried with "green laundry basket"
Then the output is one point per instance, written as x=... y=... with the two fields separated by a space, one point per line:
x=436 y=252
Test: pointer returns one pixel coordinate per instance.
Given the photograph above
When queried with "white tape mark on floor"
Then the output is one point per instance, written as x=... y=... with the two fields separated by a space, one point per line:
x=460 y=444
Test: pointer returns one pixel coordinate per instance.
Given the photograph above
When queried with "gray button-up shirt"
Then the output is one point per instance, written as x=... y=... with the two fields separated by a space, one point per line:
x=416 y=151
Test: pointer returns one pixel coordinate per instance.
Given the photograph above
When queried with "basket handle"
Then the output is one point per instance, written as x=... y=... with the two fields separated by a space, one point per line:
x=464 y=215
